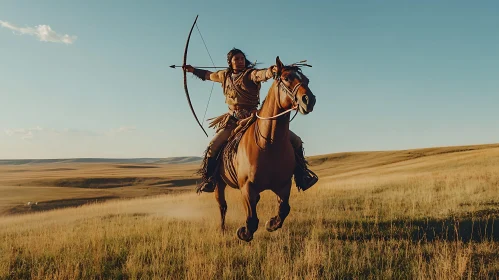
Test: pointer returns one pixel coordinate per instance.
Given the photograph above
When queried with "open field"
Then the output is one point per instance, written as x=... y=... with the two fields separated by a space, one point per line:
x=57 y=185
x=415 y=214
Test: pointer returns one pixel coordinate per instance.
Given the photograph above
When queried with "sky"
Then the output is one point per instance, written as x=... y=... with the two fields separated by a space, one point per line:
x=92 y=78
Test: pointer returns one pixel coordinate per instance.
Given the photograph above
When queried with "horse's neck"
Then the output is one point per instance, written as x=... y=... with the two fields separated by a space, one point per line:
x=273 y=131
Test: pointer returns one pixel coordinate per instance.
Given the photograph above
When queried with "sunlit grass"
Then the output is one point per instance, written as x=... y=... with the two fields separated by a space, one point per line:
x=433 y=219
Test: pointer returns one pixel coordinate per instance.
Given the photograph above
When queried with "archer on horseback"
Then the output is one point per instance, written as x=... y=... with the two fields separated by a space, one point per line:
x=241 y=84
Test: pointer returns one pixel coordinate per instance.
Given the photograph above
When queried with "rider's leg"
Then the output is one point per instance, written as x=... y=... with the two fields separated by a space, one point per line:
x=210 y=160
x=304 y=177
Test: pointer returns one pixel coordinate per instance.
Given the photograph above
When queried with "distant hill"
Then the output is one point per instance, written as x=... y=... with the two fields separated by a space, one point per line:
x=170 y=160
x=355 y=163
x=364 y=159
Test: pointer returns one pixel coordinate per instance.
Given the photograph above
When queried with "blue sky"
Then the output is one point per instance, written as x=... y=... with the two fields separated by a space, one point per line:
x=387 y=74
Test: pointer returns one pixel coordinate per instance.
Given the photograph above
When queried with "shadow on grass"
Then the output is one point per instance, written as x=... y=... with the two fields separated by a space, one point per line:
x=58 y=204
x=176 y=182
x=479 y=227
x=118 y=182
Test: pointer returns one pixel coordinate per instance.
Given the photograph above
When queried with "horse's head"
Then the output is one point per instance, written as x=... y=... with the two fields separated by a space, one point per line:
x=293 y=88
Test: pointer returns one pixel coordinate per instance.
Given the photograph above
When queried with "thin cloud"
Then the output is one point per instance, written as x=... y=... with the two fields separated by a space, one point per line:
x=43 y=32
x=24 y=133
x=123 y=129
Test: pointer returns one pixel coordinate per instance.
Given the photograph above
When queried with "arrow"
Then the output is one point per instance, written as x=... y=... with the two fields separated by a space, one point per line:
x=179 y=66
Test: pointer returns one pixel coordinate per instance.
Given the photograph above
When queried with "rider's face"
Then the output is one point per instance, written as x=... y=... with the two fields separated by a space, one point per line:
x=238 y=62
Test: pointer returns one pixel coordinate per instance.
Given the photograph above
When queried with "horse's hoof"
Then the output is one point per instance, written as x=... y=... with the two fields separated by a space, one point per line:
x=273 y=224
x=244 y=234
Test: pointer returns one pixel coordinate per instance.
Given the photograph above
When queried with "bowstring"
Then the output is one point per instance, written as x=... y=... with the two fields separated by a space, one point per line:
x=213 y=84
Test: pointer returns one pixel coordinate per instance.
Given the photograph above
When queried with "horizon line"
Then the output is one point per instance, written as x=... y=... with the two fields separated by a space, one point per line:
x=175 y=157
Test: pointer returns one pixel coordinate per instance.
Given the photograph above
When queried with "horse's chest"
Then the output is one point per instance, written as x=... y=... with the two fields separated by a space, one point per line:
x=272 y=170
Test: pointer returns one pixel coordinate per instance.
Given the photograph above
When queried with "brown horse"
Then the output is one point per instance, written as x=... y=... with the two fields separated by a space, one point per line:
x=265 y=159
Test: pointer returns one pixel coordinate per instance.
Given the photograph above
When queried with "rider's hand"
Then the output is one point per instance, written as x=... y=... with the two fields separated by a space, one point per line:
x=188 y=68
x=273 y=69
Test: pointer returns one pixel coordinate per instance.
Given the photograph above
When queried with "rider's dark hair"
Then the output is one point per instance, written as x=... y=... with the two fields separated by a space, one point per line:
x=232 y=53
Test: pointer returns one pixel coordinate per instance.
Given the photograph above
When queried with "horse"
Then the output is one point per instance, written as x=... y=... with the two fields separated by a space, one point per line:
x=264 y=158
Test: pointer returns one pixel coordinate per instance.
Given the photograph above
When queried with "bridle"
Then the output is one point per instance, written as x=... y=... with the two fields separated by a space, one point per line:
x=291 y=93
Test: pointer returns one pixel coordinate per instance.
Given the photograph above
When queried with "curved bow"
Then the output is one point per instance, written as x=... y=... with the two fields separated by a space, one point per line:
x=185 y=77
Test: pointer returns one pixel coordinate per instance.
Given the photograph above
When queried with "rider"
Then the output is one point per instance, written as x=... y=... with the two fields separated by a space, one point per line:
x=241 y=84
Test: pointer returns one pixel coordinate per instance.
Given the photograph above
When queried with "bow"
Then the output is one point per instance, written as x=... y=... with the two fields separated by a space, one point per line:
x=185 y=77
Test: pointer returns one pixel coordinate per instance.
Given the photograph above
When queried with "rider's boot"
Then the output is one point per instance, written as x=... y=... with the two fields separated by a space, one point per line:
x=207 y=175
x=304 y=177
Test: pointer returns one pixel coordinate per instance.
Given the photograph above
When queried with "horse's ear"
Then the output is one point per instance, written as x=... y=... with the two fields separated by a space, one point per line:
x=279 y=64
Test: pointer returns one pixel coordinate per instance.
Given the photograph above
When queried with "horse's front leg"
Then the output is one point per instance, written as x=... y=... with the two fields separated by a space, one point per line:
x=276 y=222
x=222 y=203
x=250 y=200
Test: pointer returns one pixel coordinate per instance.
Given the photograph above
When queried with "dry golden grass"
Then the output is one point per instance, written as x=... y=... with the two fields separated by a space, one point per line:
x=421 y=214
x=61 y=185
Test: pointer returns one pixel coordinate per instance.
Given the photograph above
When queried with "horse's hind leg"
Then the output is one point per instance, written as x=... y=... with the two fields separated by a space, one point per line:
x=250 y=198
x=222 y=204
x=276 y=222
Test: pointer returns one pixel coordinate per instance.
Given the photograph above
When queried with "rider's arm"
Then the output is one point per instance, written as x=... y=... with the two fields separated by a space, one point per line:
x=261 y=75
x=215 y=76
x=208 y=75
x=205 y=74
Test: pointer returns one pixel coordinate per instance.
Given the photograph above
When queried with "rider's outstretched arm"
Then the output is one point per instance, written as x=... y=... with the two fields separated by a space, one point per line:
x=205 y=74
x=262 y=75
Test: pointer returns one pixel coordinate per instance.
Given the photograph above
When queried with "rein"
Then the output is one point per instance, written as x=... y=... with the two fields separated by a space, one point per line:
x=291 y=94
x=278 y=115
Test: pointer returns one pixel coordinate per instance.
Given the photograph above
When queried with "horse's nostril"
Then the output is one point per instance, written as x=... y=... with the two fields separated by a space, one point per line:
x=312 y=101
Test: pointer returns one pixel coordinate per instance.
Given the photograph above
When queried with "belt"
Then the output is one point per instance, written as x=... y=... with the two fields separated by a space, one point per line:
x=241 y=112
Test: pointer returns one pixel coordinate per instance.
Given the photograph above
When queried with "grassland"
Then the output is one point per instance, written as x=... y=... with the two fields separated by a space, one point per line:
x=415 y=214
x=57 y=185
